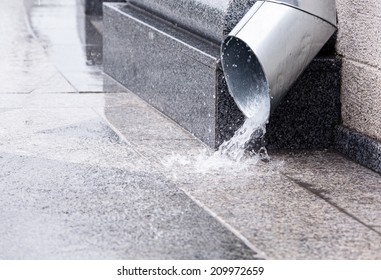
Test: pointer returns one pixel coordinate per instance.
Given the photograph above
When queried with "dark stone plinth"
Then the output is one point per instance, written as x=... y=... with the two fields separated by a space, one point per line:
x=359 y=147
x=178 y=72
x=89 y=34
x=209 y=19
x=306 y=118
x=173 y=70
x=94 y=7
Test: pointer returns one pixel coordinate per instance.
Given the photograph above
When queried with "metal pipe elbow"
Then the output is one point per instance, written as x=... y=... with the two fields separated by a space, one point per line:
x=271 y=46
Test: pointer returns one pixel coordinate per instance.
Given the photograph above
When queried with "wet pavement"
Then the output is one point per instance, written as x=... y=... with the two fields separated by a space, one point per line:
x=71 y=186
x=90 y=171
x=71 y=42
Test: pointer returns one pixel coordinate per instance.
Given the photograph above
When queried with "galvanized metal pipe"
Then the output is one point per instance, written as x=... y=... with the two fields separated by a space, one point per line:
x=271 y=46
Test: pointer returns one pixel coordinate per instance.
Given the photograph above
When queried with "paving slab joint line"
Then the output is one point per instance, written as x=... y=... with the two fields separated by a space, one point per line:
x=29 y=27
x=116 y=131
x=28 y=24
x=260 y=254
x=129 y=143
x=310 y=189
x=361 y=63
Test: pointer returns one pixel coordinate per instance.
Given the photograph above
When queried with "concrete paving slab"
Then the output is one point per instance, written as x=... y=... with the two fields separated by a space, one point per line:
x=353 y=189
x=61 y=210
x=56 y=84
x=282 y=219
x=144 y=123
x=56 y=26
x=69 y=100
x=267 y=205
x=69 y=135
x=24 y=65
x=73 y=188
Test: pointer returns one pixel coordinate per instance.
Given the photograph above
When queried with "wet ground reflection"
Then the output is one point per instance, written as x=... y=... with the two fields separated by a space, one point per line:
x=73 y=41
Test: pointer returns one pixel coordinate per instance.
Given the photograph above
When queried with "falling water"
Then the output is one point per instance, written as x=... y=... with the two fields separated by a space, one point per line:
x=233 y=156
x=252 y=131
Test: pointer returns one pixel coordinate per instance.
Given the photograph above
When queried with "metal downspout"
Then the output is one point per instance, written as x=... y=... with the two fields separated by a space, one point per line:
x=271 y=46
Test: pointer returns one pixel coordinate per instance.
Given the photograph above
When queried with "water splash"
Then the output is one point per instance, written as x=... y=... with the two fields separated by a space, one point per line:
x=232 y=157
x=207 y=162
x=239 y=154
x=252 y=131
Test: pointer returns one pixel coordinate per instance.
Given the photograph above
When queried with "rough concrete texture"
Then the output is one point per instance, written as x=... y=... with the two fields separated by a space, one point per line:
x=358 y=41
x=94 y=7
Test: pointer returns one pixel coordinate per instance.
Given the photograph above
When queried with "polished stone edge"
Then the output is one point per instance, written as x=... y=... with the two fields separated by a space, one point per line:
x=110 y=85
x=358 y=147
x=197 y=47
x=94 y=7
x=179 y=82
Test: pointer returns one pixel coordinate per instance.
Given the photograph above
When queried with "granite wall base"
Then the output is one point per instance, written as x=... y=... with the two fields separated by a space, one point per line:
x=179 y=73
x=359 y=147
x=94 y=7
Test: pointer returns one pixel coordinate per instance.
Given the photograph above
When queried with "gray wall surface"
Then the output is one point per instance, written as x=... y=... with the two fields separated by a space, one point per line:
x=359 y=42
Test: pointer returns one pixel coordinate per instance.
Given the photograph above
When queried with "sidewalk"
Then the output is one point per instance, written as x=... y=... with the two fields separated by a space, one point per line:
x=86 y=174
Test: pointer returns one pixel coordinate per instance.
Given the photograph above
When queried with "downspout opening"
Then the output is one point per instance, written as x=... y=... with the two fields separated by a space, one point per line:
x=245 y=78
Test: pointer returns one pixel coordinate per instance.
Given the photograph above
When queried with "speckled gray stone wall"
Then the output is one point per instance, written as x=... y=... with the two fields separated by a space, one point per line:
x=359 y=41
x=208 y=18
x=178 y=72
x=172 y=70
